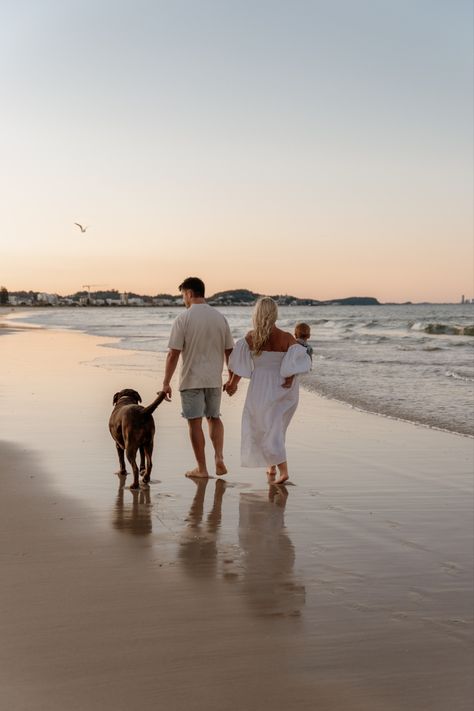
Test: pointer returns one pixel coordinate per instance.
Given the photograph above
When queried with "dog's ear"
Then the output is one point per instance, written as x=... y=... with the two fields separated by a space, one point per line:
x=116 y=397
x=137 y=396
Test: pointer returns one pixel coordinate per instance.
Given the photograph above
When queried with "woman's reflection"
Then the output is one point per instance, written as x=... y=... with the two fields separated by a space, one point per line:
x=198 y=545
x=269 y=556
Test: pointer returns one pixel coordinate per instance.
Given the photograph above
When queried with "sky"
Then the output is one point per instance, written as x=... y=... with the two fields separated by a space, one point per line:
x=314 y=148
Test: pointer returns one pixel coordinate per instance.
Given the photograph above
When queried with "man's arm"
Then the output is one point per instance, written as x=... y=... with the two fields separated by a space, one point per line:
x=227 y=353
x=171 y=363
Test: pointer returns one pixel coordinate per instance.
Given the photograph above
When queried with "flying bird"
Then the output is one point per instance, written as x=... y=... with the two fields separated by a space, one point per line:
x=83 y=229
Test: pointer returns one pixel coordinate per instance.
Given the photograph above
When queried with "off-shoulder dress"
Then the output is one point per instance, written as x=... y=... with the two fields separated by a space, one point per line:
x=268 y=406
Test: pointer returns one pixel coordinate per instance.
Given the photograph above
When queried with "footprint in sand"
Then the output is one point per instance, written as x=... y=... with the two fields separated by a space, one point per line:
x=454 y=628
x=414 y=546
x=418 y=597
x=400 y=616
x=451 y=568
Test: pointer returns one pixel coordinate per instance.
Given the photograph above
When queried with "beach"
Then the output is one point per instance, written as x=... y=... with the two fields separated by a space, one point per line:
x=351 y=590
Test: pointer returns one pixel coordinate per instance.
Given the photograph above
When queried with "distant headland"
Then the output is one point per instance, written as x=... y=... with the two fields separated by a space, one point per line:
x=112 y=297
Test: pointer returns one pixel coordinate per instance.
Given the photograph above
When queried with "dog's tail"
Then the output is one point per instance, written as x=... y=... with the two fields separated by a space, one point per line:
x=151 y=408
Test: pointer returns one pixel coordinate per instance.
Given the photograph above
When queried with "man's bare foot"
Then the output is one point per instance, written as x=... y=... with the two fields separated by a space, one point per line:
x=197 y=474
x=281 y=480
x=221 y=468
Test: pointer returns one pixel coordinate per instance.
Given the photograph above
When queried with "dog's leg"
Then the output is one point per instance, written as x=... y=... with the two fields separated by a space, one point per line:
x=123 y=469
x=148 y=453
x=131 y=456
x=142 y=460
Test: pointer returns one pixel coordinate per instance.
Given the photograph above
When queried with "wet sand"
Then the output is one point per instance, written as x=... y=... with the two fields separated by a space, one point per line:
x=352 y=591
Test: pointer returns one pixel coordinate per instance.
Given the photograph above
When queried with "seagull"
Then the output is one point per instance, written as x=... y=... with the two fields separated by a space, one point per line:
x=83 y=229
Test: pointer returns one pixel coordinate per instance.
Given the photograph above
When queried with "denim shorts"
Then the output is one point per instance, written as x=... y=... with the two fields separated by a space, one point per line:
x=201 y=402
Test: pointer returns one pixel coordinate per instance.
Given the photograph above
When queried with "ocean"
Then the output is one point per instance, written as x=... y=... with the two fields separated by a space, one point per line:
x=410 y=362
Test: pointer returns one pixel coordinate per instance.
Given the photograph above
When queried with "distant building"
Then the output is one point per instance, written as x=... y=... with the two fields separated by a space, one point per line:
x=463 y=301
x=156 y=301
x=44 y=298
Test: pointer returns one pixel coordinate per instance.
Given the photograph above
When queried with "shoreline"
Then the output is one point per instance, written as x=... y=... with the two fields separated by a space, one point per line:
x=306 y=383
x=356 y=585
x=385 y=415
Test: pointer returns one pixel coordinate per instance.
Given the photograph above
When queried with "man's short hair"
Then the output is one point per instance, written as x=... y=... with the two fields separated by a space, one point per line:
x=195 y=285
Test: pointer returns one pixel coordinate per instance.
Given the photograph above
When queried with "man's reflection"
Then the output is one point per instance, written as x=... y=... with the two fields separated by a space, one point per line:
x=198 y=545
x=133 y=515
x=269 y=555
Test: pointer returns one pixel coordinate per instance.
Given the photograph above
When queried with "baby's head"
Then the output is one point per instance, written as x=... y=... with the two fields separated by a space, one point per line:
x=302 y=331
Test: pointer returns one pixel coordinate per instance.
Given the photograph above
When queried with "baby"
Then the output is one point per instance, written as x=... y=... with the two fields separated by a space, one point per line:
x=302 y=335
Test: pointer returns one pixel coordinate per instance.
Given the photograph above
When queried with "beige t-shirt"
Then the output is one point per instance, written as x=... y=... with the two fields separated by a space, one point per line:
x=202 y=334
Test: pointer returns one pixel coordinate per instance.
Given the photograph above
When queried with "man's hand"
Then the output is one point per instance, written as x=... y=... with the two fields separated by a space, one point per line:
x=171 y=363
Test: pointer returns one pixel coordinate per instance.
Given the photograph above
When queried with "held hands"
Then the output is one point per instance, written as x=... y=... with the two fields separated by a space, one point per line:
x=230 y=388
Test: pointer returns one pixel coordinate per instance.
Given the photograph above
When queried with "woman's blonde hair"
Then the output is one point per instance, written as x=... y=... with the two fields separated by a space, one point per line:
x=265 y=315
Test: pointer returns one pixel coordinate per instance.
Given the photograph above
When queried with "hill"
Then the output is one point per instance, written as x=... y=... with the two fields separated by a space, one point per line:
x=244 y=297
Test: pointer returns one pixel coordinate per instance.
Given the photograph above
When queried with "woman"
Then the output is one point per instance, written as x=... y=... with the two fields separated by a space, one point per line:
x=271 y=358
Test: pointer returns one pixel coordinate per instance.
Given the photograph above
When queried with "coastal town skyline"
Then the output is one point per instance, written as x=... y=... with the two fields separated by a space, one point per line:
x=235 y=297
x=314 y=149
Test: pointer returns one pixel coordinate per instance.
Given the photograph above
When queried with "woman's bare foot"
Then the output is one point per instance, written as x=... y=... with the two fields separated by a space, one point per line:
x=197 y=474
x=221 y=468
x=283 y=469
x=271 y=474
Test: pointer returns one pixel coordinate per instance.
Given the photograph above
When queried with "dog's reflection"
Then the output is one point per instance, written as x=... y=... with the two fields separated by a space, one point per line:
x=198 y=544
x=268 y=581
x=133 y=514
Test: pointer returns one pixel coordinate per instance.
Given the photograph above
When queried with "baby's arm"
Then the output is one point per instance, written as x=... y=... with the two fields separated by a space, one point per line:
x=288 y=381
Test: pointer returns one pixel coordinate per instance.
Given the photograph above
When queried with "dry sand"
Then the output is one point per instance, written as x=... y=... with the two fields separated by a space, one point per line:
x=351 y=593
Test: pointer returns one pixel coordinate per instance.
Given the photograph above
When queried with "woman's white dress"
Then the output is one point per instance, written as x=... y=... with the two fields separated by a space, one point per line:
x=268 y=406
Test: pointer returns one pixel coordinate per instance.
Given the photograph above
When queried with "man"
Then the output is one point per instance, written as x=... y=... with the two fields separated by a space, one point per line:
x=202 y=336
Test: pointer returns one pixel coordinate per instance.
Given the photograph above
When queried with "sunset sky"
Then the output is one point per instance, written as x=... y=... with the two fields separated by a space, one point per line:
x=317 y=148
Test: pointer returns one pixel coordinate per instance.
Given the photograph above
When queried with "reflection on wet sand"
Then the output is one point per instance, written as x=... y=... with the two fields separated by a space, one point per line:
x=133 y=516
x=198 y=544
x=263 y=571
x=268 y=581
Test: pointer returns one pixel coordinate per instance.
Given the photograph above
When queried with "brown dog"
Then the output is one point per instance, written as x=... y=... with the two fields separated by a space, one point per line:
x=133 y=428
